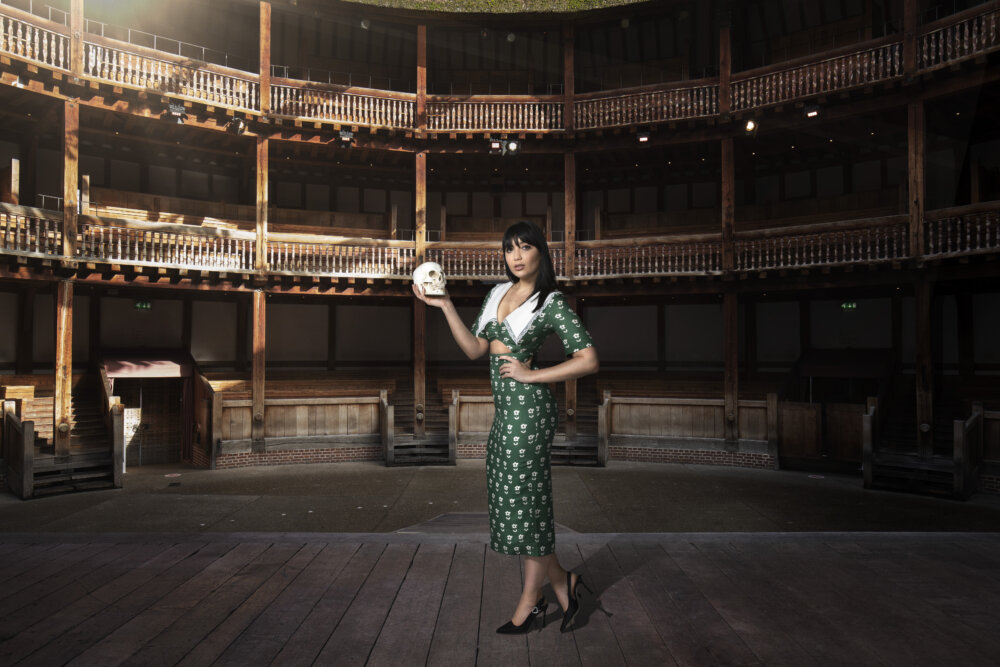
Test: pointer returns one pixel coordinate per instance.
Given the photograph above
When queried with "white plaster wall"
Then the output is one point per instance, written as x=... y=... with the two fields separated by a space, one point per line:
x=778 y=332
x=9 y=326
x=870 y=325
x=296 y=332
x=694 y=333
x=124 y=326
x=623 y=333
x=213 y=331
x=373 y=333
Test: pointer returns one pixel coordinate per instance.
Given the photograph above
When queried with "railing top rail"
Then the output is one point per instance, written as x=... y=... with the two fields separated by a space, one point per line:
x=820 y=227
x=34 y=19
x=322 y=239
x=633 y=91
x=656 y=400
x=302 y=84
x=957 y=211
x=811 y=59
x=168 y=227
x=495 y=99
x=164 y=56
x=670 y=239
x=31 y=212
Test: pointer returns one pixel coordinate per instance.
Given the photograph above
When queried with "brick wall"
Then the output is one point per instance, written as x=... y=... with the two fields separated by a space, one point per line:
x=703 y=457
x=327 y=455
x=471 y=451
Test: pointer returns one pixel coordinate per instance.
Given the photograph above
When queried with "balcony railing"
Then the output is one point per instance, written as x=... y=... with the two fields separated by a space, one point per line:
x=31 y=38
x=965 y=230
x=696 y=254
x=30 y=232
x=339 y=257
x=802 y=246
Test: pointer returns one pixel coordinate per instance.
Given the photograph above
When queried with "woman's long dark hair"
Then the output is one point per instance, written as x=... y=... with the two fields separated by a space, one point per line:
x=530 y=233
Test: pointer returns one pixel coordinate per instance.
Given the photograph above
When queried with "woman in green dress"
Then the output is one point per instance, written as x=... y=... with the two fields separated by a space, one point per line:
x=516 y=317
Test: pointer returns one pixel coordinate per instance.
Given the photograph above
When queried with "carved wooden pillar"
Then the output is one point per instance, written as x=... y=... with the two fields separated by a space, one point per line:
x=911 y=27
x=71 y=174
x=725 y=70
x=76 y=38
x=262 y=203
x=265 y=57
x=728 y=206
x=10 y=189
x=257 y=369
x=420 y=205
x=731 y=338
x=569 y=77
x=569 y=209
x=923 y=293
x=421 y=102
x=915 y=160
x=62 y=416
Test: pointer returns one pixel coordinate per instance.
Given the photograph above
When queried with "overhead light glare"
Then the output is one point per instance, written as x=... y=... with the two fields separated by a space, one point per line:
x=751 y=125
x=812 y=111
x=642 y=136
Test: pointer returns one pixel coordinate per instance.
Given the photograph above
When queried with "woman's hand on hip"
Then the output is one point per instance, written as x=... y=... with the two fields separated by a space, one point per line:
x=516 y=370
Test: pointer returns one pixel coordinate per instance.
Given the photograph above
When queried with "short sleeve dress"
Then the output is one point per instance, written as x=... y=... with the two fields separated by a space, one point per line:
x=518 y=469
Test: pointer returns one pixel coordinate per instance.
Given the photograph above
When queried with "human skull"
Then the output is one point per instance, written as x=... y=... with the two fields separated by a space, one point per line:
x=430 y=277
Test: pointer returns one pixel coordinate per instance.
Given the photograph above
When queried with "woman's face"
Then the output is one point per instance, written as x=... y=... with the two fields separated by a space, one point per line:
x=523 y=260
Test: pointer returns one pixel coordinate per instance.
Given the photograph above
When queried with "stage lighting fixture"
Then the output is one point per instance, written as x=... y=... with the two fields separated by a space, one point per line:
x=236 y=126
x=751 y=125
x=511 y=37
x=345 y=138
x=496 y=147
x=177 y=112
x=504 y=146
x=642 y=136
x=811 y=111
x=365 y=24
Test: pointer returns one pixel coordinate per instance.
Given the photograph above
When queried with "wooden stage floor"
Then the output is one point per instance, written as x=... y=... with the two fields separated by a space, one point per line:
x=415 y=598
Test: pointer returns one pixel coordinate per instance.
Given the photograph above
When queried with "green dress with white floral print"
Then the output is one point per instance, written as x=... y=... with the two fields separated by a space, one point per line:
x=518 y=469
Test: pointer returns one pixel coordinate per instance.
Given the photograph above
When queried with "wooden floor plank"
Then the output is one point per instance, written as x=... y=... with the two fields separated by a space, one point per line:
x=284 y=563
x=549 y=646
x=15 y=564
x=45 y=565
x=136 y=633
x=501 y=591
x=407 y=633
x=593 y=634
x=269 y=633
x=456 y=632
x=62 y=620
x=313 y=633
x=355 y=635
x=76 y=641
x=29 y=589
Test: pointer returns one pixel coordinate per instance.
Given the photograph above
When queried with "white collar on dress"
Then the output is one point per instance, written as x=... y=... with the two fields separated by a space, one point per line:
x=518 y=321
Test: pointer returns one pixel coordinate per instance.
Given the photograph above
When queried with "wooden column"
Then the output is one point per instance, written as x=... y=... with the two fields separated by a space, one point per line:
x=731 y=341
x=728 y=178
x=71 y=172
x=10 y=190
x=76 y=38
x=419 y=367
x=725 y=70
x=915 y=168
x=257 y=368
x=242 y=329
x=331 y=336
x=24 y=362
x=420 y=205
x=966 y=335
x=421 y=102
x=911 y=16
x=262 y=203
x=923 y=292
x=571 y=392
x=569 y=77
x=62 y=404
x=265 y=57
x=85 y=194
x=569 y=208
x=443 y=222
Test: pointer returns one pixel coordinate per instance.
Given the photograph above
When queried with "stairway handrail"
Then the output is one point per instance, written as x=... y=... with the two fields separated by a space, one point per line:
x=18 y=452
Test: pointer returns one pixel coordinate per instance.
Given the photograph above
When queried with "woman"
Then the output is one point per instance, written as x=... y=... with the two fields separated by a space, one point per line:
x=515 y=319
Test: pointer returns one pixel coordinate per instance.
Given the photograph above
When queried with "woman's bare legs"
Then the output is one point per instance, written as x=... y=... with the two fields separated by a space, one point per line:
x=536 y=571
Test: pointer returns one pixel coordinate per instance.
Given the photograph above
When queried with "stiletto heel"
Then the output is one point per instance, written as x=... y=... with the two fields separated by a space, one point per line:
x=574 y=602
x=509 y=628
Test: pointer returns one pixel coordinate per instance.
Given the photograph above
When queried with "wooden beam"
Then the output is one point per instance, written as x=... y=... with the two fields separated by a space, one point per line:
x=76 y=38
x=725 y=70
x=11 y=188
x=262 y=203
x=728 y=175
x=731 y=338
x=257 y=368
x=419 y=368
x=420 y=204
x=421 y=102
x=62 y=405
x=911 y=27
x=71 y=171
x=923 y=291
x=24 y=362
x=569 y=193
x=265 y=57
x=569 y=82
x=916 y=136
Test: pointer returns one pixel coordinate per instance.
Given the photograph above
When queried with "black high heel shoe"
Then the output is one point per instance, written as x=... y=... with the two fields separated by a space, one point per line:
x=509 y=628
x=574 y=603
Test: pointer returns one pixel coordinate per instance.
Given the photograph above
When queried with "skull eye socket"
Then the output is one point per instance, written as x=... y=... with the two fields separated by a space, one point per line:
x=432 y=275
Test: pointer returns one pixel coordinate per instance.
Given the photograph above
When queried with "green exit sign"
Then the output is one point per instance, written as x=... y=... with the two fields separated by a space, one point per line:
x=143 y=305
x=848 y=306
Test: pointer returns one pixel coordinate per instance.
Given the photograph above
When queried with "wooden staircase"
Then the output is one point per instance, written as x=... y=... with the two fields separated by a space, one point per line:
x=89 y=464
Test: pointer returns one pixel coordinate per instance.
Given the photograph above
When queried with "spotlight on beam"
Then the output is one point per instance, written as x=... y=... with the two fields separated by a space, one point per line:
x=496 y=147
x=177 y=112
x=751 y=126
x=811 y=111
x=642 y=136
x=504 y=146
x=236 y=126
x=345 y=138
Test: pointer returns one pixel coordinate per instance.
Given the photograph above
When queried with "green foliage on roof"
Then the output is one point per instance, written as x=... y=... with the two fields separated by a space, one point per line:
x=498 y=6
